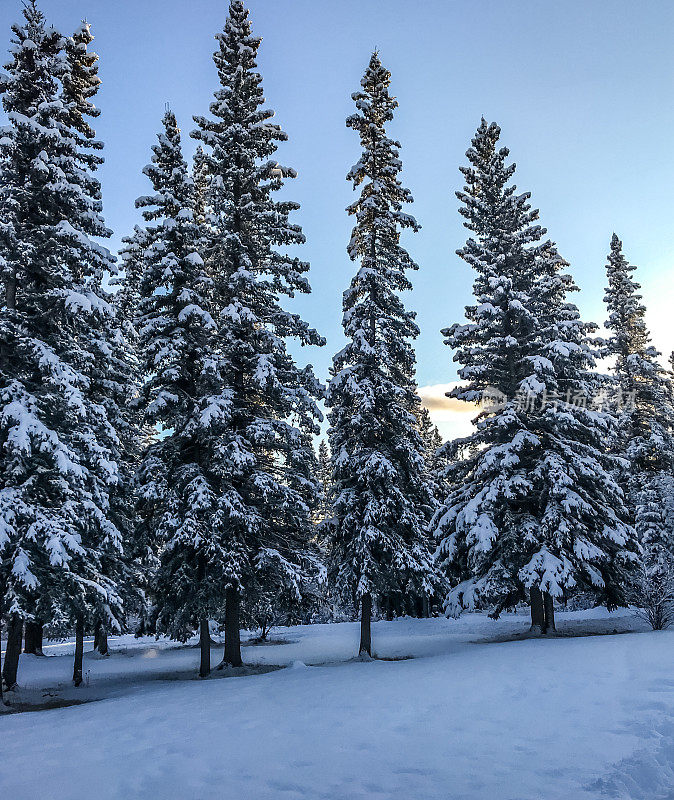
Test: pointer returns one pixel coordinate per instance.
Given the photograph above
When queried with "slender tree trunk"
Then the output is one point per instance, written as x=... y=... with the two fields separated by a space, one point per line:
x=100 y=639
x=14 y=636
x=10 y=291
x=205 y=644
x=548 y=605
x=388 y=606
x=2 y=595
x=79 y=651
x=29 y=638
x=365 y=625
x=397 y=605
x=537 y=611
x=3 y=700
x=32 y=643
x=232 y=632
x=426 y=608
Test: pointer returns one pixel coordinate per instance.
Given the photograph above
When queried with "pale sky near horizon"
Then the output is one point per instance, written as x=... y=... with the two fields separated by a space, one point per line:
x=583 y=91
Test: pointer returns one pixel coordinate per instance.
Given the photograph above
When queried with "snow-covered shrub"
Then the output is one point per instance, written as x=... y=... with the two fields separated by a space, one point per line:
x=654 y=589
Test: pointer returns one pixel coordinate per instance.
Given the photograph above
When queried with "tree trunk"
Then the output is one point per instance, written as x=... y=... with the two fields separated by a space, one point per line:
x=14 y=636
x=548 y=604
x=10 y=291
x=365 y=625
x=537 y=612
x=2 y=698
x=232 y=632
x=398 y=605
x=33 y=639
x=141 y=629
x=390 y=609
x=100 y=639
x=205 y=644
x=2 y=599
x=426 y=607
x=79 y=651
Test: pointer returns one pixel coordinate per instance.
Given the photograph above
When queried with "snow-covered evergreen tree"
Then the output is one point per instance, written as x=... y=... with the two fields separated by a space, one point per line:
x=435 y=470
x=61 y=548
x=434 y=458
x=266 y=459
x=181 y=394
x=646 y=416
x=533 y=506
x=140 y=543
x=645 y=388
x=113 y=374
x=380 y=493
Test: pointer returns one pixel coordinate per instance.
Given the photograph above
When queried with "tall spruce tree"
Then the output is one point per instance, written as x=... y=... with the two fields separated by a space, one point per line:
x=182 y=394
x=380 y=492
x=646 y=414
x=533 y=507
x=61 y=548
x=141 y=546
x=266 y=459
x=113 y=374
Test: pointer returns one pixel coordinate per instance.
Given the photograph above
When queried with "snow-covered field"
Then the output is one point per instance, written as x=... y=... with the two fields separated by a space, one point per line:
x=473 y=714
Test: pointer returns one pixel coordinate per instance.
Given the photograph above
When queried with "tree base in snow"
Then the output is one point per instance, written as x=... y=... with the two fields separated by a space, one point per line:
x=226 y=665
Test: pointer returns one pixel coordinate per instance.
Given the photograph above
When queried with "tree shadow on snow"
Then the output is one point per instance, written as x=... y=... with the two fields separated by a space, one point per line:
x=563 y=633
x=65 y=695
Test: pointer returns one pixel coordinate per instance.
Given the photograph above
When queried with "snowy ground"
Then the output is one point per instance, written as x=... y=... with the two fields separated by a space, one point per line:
x=473 y=715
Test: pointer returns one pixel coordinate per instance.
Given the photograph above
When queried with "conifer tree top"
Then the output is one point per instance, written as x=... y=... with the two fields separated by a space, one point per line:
x=382 y=195
x=240 y=98
x=647 y=413
x=626 y=312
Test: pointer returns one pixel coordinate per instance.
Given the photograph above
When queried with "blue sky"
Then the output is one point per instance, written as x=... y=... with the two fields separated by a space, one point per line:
x=583 y=91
